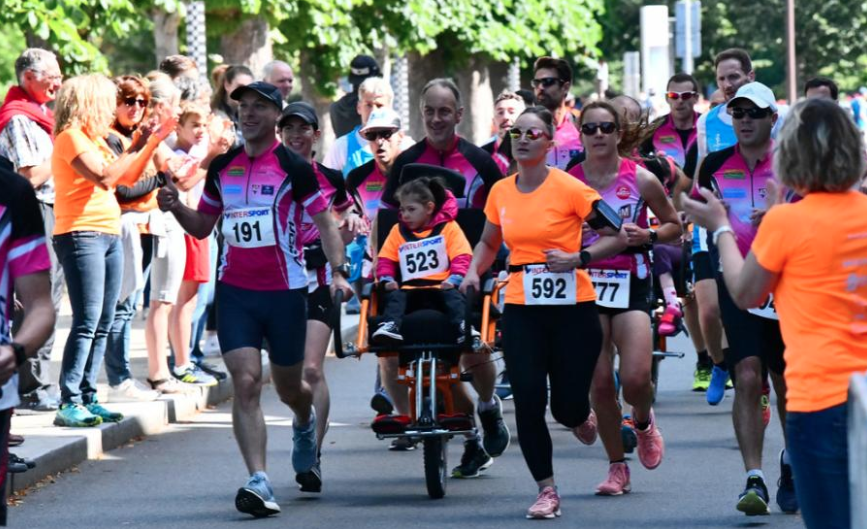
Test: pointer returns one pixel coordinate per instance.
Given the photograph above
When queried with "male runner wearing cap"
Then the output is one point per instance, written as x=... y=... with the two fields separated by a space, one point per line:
x=741 y=176
x=261 y=191
x=552 y=81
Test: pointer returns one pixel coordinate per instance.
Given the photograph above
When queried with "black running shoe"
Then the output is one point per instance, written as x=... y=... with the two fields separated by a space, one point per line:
x=753 y=501
x=310 y=481
x=381 y=403
x=212 y=370
x=786 y=498
x=473 y=462
x=495 y=433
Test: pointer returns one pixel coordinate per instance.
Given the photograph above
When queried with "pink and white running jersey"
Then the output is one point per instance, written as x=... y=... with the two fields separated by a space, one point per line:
x=261 y=202
x=622 y=195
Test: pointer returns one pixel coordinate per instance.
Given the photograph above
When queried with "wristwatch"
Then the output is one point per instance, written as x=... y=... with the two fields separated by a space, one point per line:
x=722 y=229
x=342 y=269
x=20 y=353
x=654 y=236
x=584 y=258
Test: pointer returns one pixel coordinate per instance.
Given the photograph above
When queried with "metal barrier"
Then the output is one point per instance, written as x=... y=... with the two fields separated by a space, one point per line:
x=858 y=449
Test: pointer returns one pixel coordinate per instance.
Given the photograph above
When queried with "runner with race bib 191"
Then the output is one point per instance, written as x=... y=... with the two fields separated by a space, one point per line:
x=261 y=191
x=623 y=285
x=539 y=213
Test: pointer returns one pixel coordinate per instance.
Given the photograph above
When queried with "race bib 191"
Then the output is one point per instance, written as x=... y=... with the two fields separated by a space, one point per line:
x=612 y=288
x=422 y=258
x=249 y=227
x=544 y=287
x=767 y=310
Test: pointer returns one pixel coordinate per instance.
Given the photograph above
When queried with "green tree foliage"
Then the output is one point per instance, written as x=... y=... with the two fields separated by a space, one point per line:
x=829 y=37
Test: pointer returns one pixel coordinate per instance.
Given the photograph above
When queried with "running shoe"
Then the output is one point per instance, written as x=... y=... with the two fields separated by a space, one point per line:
x=495 y=434
x=381 y=404
x=587 y=431
x=131 y=390
x=701 y=378
x=193 y=374
x=387 y=334
x=257 y=497
x=304 y=445
x=627 y=434
x=76 y=416
x=402 y=444
x=310 y=481
x=473 y=462
x=765 y=403
x=617 y=482
x=669 y=322
x=172 y=386
x=753 y=501
x=716 y=390
x=651 y=446
x=547 y=505
x=786 y=498
x=104 y=414
x=211 y=369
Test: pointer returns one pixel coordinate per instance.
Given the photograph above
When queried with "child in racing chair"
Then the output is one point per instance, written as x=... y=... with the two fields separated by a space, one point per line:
x=428 y=248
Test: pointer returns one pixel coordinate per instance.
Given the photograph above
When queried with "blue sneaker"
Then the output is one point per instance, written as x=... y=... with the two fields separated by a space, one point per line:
x=106 y=416
x=716 y=390
x=257 y=497
x=304 y=451
x=786 y=498
x=76 y=416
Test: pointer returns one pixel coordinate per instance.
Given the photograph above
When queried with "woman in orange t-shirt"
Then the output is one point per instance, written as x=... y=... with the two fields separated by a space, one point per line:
x=818 y=277
x=550 y=324
x=87 y=232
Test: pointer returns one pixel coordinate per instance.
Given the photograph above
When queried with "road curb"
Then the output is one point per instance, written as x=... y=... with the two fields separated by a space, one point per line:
x=56 y=449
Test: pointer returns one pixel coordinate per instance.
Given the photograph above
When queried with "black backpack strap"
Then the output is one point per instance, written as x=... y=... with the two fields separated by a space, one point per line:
x=408 y=235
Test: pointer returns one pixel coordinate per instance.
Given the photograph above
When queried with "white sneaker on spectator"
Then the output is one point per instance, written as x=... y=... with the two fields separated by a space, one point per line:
x=131 y=390
x=212 y=344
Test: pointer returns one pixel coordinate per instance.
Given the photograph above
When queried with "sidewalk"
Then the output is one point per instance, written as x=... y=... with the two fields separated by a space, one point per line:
x=55 y=449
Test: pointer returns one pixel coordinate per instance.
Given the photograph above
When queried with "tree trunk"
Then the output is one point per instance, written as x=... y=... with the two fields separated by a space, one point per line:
x=322 y=105
x=499 y=77
x=165 y=33
x=478 y=100
x=421 y=70
x=248 y=45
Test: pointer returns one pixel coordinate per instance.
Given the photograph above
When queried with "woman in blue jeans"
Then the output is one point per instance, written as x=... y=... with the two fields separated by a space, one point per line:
x=812 y=256
x=87 y=229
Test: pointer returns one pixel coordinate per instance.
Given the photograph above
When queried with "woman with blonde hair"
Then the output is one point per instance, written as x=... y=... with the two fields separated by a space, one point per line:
x=86 y=235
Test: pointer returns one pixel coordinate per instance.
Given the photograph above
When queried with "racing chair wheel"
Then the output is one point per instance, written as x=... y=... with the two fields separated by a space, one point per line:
x=436 y=466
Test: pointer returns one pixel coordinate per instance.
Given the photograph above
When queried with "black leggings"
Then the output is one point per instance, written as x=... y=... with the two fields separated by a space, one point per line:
x=557 y=342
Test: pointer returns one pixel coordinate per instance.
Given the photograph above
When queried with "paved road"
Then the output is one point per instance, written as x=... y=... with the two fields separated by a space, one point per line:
x=188 y=476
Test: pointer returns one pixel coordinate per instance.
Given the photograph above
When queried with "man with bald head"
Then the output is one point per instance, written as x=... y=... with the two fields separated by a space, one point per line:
x=279 y=74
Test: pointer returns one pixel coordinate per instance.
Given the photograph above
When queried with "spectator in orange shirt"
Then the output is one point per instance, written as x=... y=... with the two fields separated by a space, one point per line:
x=87 y=232
x=818 y=277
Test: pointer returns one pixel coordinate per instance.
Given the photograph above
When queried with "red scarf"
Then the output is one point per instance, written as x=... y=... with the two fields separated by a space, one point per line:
x=18 y=102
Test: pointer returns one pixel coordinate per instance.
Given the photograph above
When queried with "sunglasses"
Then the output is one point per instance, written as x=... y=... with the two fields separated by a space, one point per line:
x=686 y=96
x=531 y=134
x=374 y=135
x=607 y=127
x=753 y=113
x=546 y=82
x=132 y=101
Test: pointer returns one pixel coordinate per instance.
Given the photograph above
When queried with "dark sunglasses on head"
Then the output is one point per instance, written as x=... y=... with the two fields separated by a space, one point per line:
x=607 y=127
x=373 y=135
x=531 y=134
x=753 y=113
x=545 y=82
x=132 y=101
x=686 y=96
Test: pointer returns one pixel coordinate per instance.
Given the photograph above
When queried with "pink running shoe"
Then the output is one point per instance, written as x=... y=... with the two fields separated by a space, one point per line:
x=587 y=431
x=651 y=446
x=617 y=482
x=669 y=320
x=547 y=505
